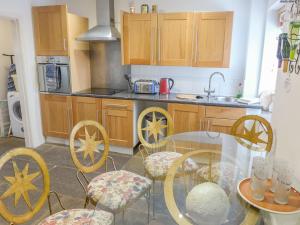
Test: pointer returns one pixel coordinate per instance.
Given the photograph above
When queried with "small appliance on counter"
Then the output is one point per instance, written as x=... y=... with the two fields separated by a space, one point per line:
x=165 y=85
x=54 y=74
x=145 y=87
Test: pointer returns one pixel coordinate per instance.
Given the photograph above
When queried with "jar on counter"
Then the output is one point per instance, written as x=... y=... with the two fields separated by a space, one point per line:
x=144 y=8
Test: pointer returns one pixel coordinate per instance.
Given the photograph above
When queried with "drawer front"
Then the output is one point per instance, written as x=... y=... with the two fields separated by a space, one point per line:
x=224 y=112
x=117 y=104
x=222 y=122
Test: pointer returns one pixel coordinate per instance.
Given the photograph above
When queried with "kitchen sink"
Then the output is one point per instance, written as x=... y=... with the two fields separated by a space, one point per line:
x=224 y=99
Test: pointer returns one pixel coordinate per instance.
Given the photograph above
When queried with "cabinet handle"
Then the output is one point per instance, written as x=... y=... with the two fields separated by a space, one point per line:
x=116 y=106
x=68 y=118
x=152 y=47
x=65 y=44
x=159 y=45
x=196 y=47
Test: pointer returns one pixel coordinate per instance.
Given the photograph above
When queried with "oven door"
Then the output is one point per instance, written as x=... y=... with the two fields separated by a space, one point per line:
x=63 y=79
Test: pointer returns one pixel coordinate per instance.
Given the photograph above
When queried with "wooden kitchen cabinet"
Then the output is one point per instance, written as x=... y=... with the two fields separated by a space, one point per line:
x=51 y=35
x=139 y=38
x=117 y=117
x=175 y=39
x=55 y=33
x=221 y=119
x=212 y=39
x=86 y=108
x=56 y=115
x=186 y=117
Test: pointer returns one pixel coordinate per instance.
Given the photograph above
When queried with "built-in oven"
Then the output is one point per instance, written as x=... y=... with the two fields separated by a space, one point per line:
x=54 y=74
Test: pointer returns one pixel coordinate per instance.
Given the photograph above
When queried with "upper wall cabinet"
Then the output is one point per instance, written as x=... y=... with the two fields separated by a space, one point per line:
x=212 y=39
x=139 y=38
x=50 y=26
x=177 y=39
x=174 y=39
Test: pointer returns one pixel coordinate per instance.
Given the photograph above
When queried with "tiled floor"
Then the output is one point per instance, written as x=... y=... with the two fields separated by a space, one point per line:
x=63 y=180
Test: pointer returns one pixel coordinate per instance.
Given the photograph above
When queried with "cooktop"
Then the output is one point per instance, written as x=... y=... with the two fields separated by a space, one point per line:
x=100 y=91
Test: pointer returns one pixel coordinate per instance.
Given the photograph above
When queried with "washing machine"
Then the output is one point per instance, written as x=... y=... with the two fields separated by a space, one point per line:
x=15 y=114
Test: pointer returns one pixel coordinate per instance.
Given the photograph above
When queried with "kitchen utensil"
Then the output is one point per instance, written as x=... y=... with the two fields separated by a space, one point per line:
x=188 y=96
x=145 y=87
x=165 y=85
x=129 y=81
x=285 y=51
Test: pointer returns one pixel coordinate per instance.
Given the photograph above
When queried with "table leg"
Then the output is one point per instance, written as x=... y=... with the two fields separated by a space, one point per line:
x=252 y=216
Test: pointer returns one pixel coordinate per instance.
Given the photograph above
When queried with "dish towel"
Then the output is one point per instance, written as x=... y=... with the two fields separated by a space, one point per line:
x=52 y=76
x=10 y=82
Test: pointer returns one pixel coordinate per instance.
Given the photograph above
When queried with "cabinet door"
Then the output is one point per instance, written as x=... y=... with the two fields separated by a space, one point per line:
x=85 y=108
x=220 y=125
x=50 y=30
x=186 y=117
x=212 y=39
x=118 y=121
x=221 y=119
x=57 y=115
x=139 y=38
x=175 y=39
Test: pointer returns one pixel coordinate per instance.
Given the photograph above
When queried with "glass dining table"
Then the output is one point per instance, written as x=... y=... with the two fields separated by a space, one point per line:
x=208 y=194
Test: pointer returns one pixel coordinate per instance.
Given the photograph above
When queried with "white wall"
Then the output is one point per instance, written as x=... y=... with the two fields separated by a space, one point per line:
x=6 y=47
x=195 y=79
x=26 y=67
x=85 y=8
x=286 y=119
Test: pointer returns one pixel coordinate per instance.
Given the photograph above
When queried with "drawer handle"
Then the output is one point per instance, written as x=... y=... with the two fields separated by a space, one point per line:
x=116 y=106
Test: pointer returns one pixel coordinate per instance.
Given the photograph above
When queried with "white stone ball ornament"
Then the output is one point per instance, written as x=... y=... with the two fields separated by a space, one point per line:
x=208 y=204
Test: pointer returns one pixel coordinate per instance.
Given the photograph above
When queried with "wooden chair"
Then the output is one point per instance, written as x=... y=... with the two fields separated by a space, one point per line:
x=253 y=132
x=157 y=149
x=108 y=190
x=21 y=185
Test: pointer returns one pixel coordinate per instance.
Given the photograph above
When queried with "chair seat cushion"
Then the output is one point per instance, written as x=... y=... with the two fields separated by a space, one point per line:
x=158 y=164
x=79 y=217
x=116 y=189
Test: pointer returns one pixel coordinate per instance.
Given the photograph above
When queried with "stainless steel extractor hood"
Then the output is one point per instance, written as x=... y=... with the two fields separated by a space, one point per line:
x=105 y=30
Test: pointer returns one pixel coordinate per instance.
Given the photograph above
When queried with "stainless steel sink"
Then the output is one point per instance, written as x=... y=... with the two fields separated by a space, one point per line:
x=224 y=99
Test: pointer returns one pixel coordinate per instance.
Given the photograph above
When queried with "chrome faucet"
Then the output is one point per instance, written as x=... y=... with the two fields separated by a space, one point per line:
x=209 y=91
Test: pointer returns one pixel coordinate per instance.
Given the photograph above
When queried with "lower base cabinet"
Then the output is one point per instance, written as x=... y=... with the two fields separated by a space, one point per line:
x=188 y=117
x=56 y=115
x=117 y=117
x=86 y=108
x=60 y=113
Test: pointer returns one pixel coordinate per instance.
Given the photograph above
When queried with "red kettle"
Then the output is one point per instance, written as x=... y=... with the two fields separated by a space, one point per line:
x=165 y=85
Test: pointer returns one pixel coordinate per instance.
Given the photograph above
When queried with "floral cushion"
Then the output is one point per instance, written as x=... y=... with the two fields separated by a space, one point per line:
x=79 y=217
x=117 y=188
x=158 y=164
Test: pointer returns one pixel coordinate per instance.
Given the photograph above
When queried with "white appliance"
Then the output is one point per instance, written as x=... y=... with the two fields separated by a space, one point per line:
x=15 y=114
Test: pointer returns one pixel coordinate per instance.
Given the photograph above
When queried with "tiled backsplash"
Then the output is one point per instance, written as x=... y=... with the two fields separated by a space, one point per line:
x=189 y=79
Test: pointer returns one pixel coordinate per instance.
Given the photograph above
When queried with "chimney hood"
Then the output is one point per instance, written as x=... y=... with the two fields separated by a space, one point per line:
x=105 y=30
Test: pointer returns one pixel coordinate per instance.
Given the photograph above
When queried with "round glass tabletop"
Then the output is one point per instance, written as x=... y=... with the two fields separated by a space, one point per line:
x=201 y=187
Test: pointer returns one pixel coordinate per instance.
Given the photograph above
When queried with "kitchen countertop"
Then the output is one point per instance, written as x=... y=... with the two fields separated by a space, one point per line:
x=171 y=98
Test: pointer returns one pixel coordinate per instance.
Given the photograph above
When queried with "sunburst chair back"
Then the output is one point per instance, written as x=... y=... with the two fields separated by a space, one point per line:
x=254 y=132
x=31 y=176
x=107 y=190
x=154 y=127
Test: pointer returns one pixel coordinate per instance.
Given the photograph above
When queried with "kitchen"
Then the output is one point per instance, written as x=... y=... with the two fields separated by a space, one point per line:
x=108 y=61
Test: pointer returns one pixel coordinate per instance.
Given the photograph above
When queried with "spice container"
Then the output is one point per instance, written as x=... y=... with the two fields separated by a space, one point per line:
x=144 y=8
x=154 y=8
